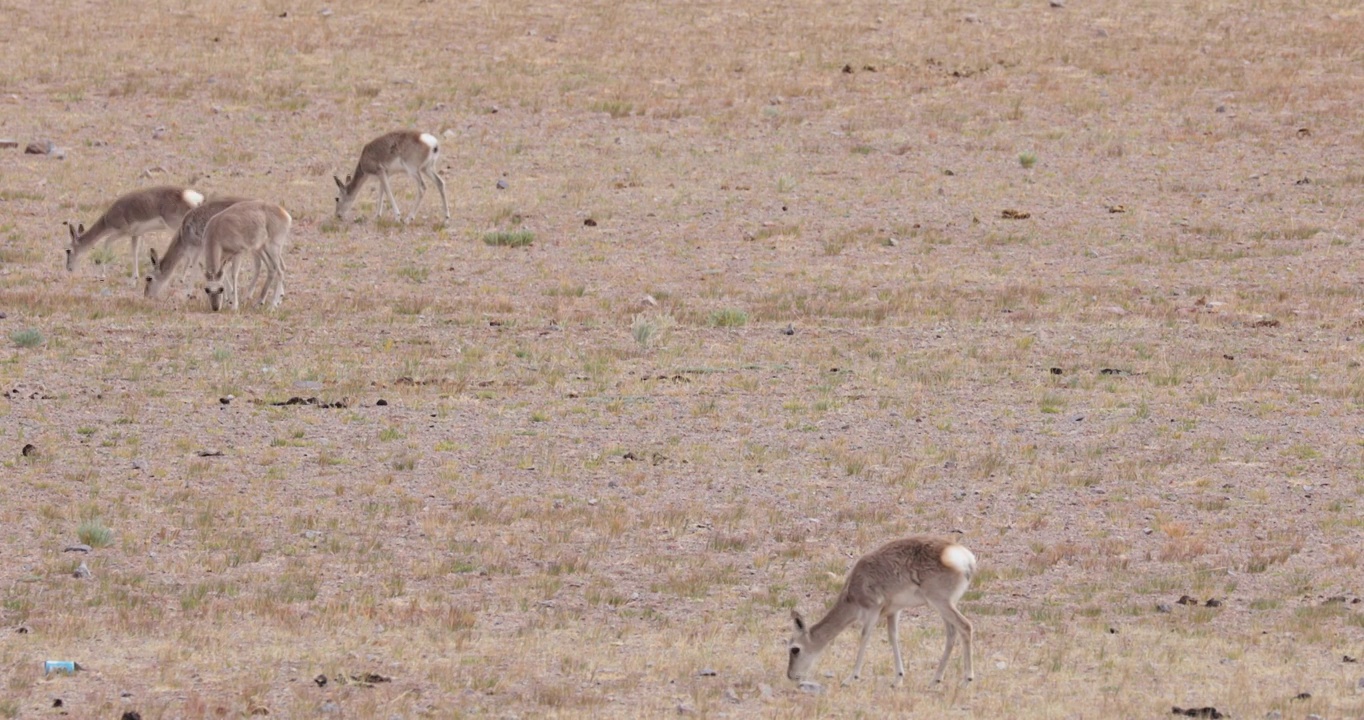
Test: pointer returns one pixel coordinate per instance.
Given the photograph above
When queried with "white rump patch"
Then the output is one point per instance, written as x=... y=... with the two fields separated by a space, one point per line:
x=959 y=558
x=193 y=198
x=430 y=141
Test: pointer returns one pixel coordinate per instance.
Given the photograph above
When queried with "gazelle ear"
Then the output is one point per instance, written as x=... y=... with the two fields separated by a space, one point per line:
x=339 y=183
x=798 y=620
x=72 y=228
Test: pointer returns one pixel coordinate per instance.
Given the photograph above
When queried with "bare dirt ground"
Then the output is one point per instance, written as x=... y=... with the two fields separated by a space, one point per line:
x=799 y=324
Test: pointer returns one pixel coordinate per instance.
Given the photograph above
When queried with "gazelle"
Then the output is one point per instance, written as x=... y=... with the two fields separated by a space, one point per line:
x=133 y=215
x=918 y=570
x=248 y=228
x=187 y=247
x=413 y=152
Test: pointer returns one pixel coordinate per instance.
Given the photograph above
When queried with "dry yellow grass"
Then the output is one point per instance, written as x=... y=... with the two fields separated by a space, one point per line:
x=1148 y=388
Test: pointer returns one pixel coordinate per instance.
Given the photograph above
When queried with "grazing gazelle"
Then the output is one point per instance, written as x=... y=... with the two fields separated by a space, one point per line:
x=187 y=247
x=246 y=229
x=918 y=570
x=133 y=215
x=413 y=152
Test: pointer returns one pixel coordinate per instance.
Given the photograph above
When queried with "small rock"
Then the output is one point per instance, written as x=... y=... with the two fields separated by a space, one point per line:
x=649 y=300
x=59 y=153
x=42 y=147
x=7 y=143
x=226 y=400
x=132 y=715
x=1146 y=531
x=1058 y=3
x=81 y=548
x=706 y=672
x=685 y=709
x=1213 y=602
x=789 y=329
x=139 y=464
x=57 y=702
x=29 y=450
x=321 y=680
x=590 y=222
x=159 y=132
x=82 y=572
x=325 y=12
x=1164 y=607
x=731 y=696
x=1303 y=696
x=1273 y=715
x=381 y=402
x=1186 y=600
x=501 y=184
x=813 y=688
x=1349 y=659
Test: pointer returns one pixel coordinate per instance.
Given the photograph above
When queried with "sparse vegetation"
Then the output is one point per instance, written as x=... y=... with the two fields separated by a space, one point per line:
x=26 y=338
x=509 y=238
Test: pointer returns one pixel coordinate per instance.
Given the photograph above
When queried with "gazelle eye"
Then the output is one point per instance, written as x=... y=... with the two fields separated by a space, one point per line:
x=795 y=651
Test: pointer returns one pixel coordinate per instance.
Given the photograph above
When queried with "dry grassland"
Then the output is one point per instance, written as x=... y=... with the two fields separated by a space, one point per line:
x=575 y=500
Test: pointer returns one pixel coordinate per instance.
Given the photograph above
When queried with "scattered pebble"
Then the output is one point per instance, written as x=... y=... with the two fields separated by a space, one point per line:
x=42 y=147
x=381 y=403
x=813 y=688
x=501 y=184
x=226 y=400
x=29 y=450
x=80 y=548
x=590 y=222
x=82 y=572
x=132 y=715
x=685 y=708
x=789 y=329
x=139 y=464
x=731 y=696
x=7 y=143
x=1164 y=607
x=1213 y=602
x=1303 y=696
x=707 y=672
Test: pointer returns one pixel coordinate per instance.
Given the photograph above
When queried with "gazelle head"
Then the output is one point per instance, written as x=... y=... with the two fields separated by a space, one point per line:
x=72 y=254
x=803 y=654
x=156 y=270
x=346 y=198
x=213 y=287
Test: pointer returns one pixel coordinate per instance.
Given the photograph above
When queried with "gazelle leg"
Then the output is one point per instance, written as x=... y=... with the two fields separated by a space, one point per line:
x=421 y=192
x=953 y=620
x=893 y=631
x=137 y=250
x=236 y=271
x=387 y=190
x=440 y=185
x=275 y=263
x=868 y=625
